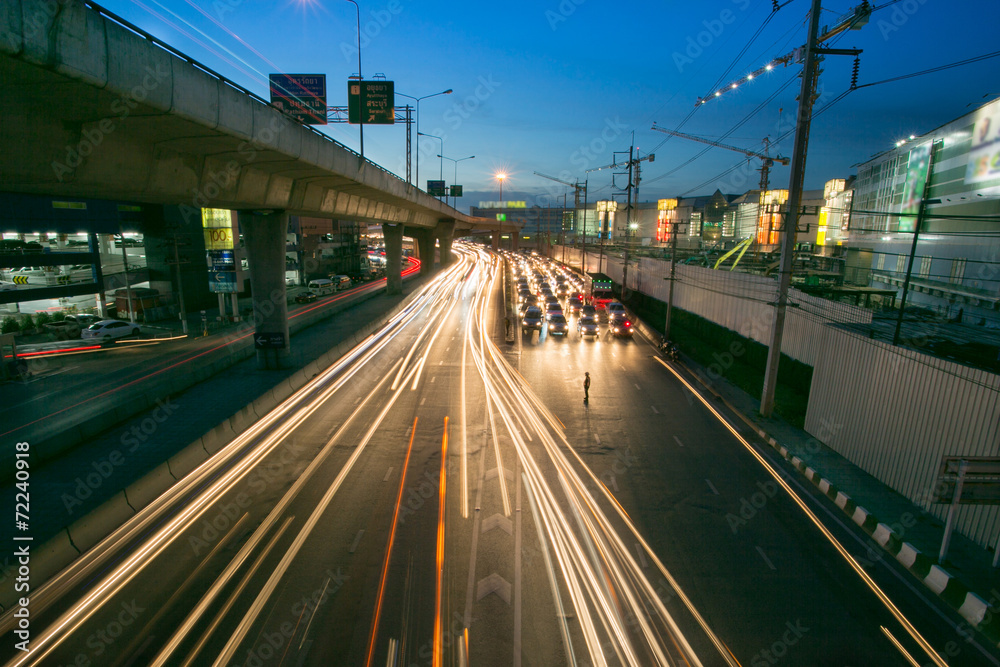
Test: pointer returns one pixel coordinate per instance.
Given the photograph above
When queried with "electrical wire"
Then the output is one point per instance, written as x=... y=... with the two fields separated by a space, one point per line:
x=932 y=70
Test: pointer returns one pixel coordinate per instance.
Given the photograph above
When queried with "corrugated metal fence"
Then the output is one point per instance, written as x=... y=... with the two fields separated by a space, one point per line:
x=892 y=411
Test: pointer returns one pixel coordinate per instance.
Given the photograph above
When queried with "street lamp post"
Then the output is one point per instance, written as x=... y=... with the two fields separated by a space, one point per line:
x=501 y=177
x=432 y=136
x=361 y=91
x=417 y=99
x=455 y=180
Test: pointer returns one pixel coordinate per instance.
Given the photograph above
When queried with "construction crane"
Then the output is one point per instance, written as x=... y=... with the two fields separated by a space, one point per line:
x=577 y=187
x=633 y=179
x=766 y=160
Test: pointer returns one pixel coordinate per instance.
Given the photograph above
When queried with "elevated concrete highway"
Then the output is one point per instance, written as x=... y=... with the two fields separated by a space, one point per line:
x=95 y=107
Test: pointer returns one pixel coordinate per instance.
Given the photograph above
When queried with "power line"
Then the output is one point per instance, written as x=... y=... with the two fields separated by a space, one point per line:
x=940 y=68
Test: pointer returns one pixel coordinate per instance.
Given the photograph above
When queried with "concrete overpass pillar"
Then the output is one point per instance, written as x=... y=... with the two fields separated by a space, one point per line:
x=425 y=243
x=393 y=235
x=515 y=240
x=445 y=233
x=496 y=240
x=264 y=236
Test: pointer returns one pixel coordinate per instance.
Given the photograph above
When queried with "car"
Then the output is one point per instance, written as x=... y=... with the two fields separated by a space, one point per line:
x=575 y=304
x=558 y=326
x=83 y=320
x=532 y=320
x=552 y=298
x=615 y=308
x=587 y=326
x=305 y=297
x=552 y=310
x=63 y=330
x=588 y=310
x=107 y=330
x=529 y=302
x=620 y=326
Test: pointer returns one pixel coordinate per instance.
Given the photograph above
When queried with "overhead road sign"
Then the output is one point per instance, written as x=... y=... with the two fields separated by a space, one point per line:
x=436 y=188
x=370 y=102
x=301 y=96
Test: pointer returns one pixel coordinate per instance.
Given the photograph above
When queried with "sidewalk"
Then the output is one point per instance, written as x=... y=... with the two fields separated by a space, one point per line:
x=966 y=581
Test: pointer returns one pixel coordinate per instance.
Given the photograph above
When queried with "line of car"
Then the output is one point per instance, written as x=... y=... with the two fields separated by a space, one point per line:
x=541 y=291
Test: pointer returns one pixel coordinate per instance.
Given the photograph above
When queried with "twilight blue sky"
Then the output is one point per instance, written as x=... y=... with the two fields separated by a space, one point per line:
x=557 y=86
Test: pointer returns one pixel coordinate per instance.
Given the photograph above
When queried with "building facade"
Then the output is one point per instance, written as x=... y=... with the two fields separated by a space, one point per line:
x=943 y=187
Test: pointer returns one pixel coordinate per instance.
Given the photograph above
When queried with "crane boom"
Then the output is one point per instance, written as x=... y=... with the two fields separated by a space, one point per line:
x=762 y=156
x=557 y=180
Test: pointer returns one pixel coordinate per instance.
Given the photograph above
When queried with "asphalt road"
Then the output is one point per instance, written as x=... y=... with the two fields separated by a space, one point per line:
x=438 y=498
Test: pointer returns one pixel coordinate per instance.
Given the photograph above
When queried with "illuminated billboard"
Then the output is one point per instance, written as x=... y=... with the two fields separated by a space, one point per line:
x=218 y=228
x=984 y=153
x=916 y=180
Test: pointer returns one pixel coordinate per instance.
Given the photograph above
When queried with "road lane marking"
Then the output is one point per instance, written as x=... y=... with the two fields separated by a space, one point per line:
x=655 y=411
x=357 y=538
x=712 y=486
x=387 y=473
x=678 y=441
x=766 y=559
x=423 y=400
x=637 y=386
x=597 y=438
x=642 y=557
x=493 y=584
x=305 y=633
x=517 y=573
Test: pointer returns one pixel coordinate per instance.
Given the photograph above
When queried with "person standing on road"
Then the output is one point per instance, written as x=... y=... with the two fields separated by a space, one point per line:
x=586 y=387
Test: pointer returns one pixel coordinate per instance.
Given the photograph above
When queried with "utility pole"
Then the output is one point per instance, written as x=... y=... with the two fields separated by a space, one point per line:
x=792 y=214
x=673 y=279
x=128 y=284
x=913 y=247
x=180 y=287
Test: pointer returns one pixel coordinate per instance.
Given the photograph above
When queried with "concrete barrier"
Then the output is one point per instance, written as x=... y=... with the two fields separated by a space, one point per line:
x=186 y=460
x=46 y=561
x=149 y=487
x=243 y=419
x=264 y=404
x=93 y=527
x=218 y=437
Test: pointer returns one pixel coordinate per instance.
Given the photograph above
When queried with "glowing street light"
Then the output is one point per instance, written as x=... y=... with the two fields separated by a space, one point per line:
x=500 y=176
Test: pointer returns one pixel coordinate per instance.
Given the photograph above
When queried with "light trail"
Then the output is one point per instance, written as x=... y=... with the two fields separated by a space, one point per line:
x=607 y=589
x=388 y=549
x=265 y=436
x=439 y=554
x=869 y=582
x=279 y=571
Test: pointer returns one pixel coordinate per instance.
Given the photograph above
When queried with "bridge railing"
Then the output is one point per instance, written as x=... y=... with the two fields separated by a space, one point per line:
x=111 y=16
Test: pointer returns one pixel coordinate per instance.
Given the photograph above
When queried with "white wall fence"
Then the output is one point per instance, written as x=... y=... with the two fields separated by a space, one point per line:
x=892 y=411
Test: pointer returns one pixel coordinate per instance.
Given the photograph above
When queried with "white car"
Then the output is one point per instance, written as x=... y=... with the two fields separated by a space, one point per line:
x=106 y=330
